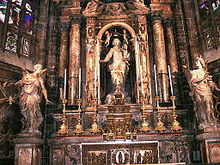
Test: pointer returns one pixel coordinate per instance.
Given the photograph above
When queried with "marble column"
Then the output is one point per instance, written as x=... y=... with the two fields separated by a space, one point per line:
x=160 y=55
x=144 y=58
x=63 y=48
x=172 y=55
x=74 y=59
x=27 y=149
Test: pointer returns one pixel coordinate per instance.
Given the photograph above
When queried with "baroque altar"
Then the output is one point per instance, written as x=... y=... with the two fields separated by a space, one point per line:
x=123 y=94
x=119 y=91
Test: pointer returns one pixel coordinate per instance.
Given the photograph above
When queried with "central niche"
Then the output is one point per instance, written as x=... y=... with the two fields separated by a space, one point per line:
x=117 y=65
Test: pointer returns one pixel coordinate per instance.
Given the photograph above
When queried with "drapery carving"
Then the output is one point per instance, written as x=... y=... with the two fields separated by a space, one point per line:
x=202 y=87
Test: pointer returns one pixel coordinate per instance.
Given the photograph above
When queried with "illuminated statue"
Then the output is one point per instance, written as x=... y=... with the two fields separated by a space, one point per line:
x=30 y=97
x=120 y=63
x=119 y=66
x=202 y=86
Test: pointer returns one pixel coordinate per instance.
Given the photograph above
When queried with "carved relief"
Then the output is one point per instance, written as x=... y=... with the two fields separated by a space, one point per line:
x=96 y=157
x=90 y=60
x=120 y=156
x=127 y=153
x=168 y=152
x=58 y=157
x=93 y=7
x=143 y=156
x=115 y=9
x=74 y=153
x=25 y=156
x=214 y=152
x=136 y=5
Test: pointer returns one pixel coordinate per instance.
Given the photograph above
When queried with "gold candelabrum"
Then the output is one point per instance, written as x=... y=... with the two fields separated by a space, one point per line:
x=160 y=124
x=64 y=126
x=79 y=127
x=95 y=128
x=144 y=125
x=175 y=124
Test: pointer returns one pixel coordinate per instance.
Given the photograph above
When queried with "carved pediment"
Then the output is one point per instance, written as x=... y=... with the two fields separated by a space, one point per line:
x=115 y=8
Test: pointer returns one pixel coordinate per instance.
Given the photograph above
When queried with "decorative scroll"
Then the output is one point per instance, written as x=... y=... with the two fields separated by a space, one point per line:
x=25 y=156
x=11 y=42
x=26 y=46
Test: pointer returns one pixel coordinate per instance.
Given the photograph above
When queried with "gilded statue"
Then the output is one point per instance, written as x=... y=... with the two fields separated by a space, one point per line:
x=32 y=87
x=120 y=63
x=202 y=87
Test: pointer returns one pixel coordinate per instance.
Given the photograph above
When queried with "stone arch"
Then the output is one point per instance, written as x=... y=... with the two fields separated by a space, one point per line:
x=122 y=24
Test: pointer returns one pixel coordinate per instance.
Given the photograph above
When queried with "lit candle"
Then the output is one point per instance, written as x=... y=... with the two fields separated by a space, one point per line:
x=95 y=83
x=79 y=82
x=64 y=88
x=170 y=78
x=142 y=87
x=155 y=78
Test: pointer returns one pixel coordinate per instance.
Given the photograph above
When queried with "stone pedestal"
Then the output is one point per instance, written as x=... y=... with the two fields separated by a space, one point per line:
x=210 y=144
x=27 y=149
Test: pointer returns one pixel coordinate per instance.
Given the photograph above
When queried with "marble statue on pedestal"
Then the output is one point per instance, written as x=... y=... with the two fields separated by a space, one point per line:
x=202 y=87
x=32 y=87
x=119 y=66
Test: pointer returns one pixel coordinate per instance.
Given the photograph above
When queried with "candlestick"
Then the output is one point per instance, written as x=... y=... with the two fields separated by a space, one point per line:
x=79 y=82
x=170 y=78
x=95 y=83
x=64 y=88
x=155 y=78
x=142 y=87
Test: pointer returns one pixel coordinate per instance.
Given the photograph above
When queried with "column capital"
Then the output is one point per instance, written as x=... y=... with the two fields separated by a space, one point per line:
x=76 y=18
x=64 y=26
x=156 y=15
x=168 y=22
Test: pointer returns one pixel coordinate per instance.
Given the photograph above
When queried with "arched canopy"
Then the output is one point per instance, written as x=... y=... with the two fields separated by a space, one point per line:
x=124 y=25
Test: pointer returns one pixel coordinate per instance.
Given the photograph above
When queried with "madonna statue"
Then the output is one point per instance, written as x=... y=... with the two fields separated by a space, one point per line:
x=119 y=66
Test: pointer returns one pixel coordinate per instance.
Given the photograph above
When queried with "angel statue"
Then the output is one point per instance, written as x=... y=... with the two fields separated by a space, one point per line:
x=202 y=86
x=93 y=6
x=136 y=5
x=32 y=87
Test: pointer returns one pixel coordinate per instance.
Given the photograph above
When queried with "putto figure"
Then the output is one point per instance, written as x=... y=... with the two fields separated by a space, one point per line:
x=202 y=87
x=108 y=38
x=32 y=87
